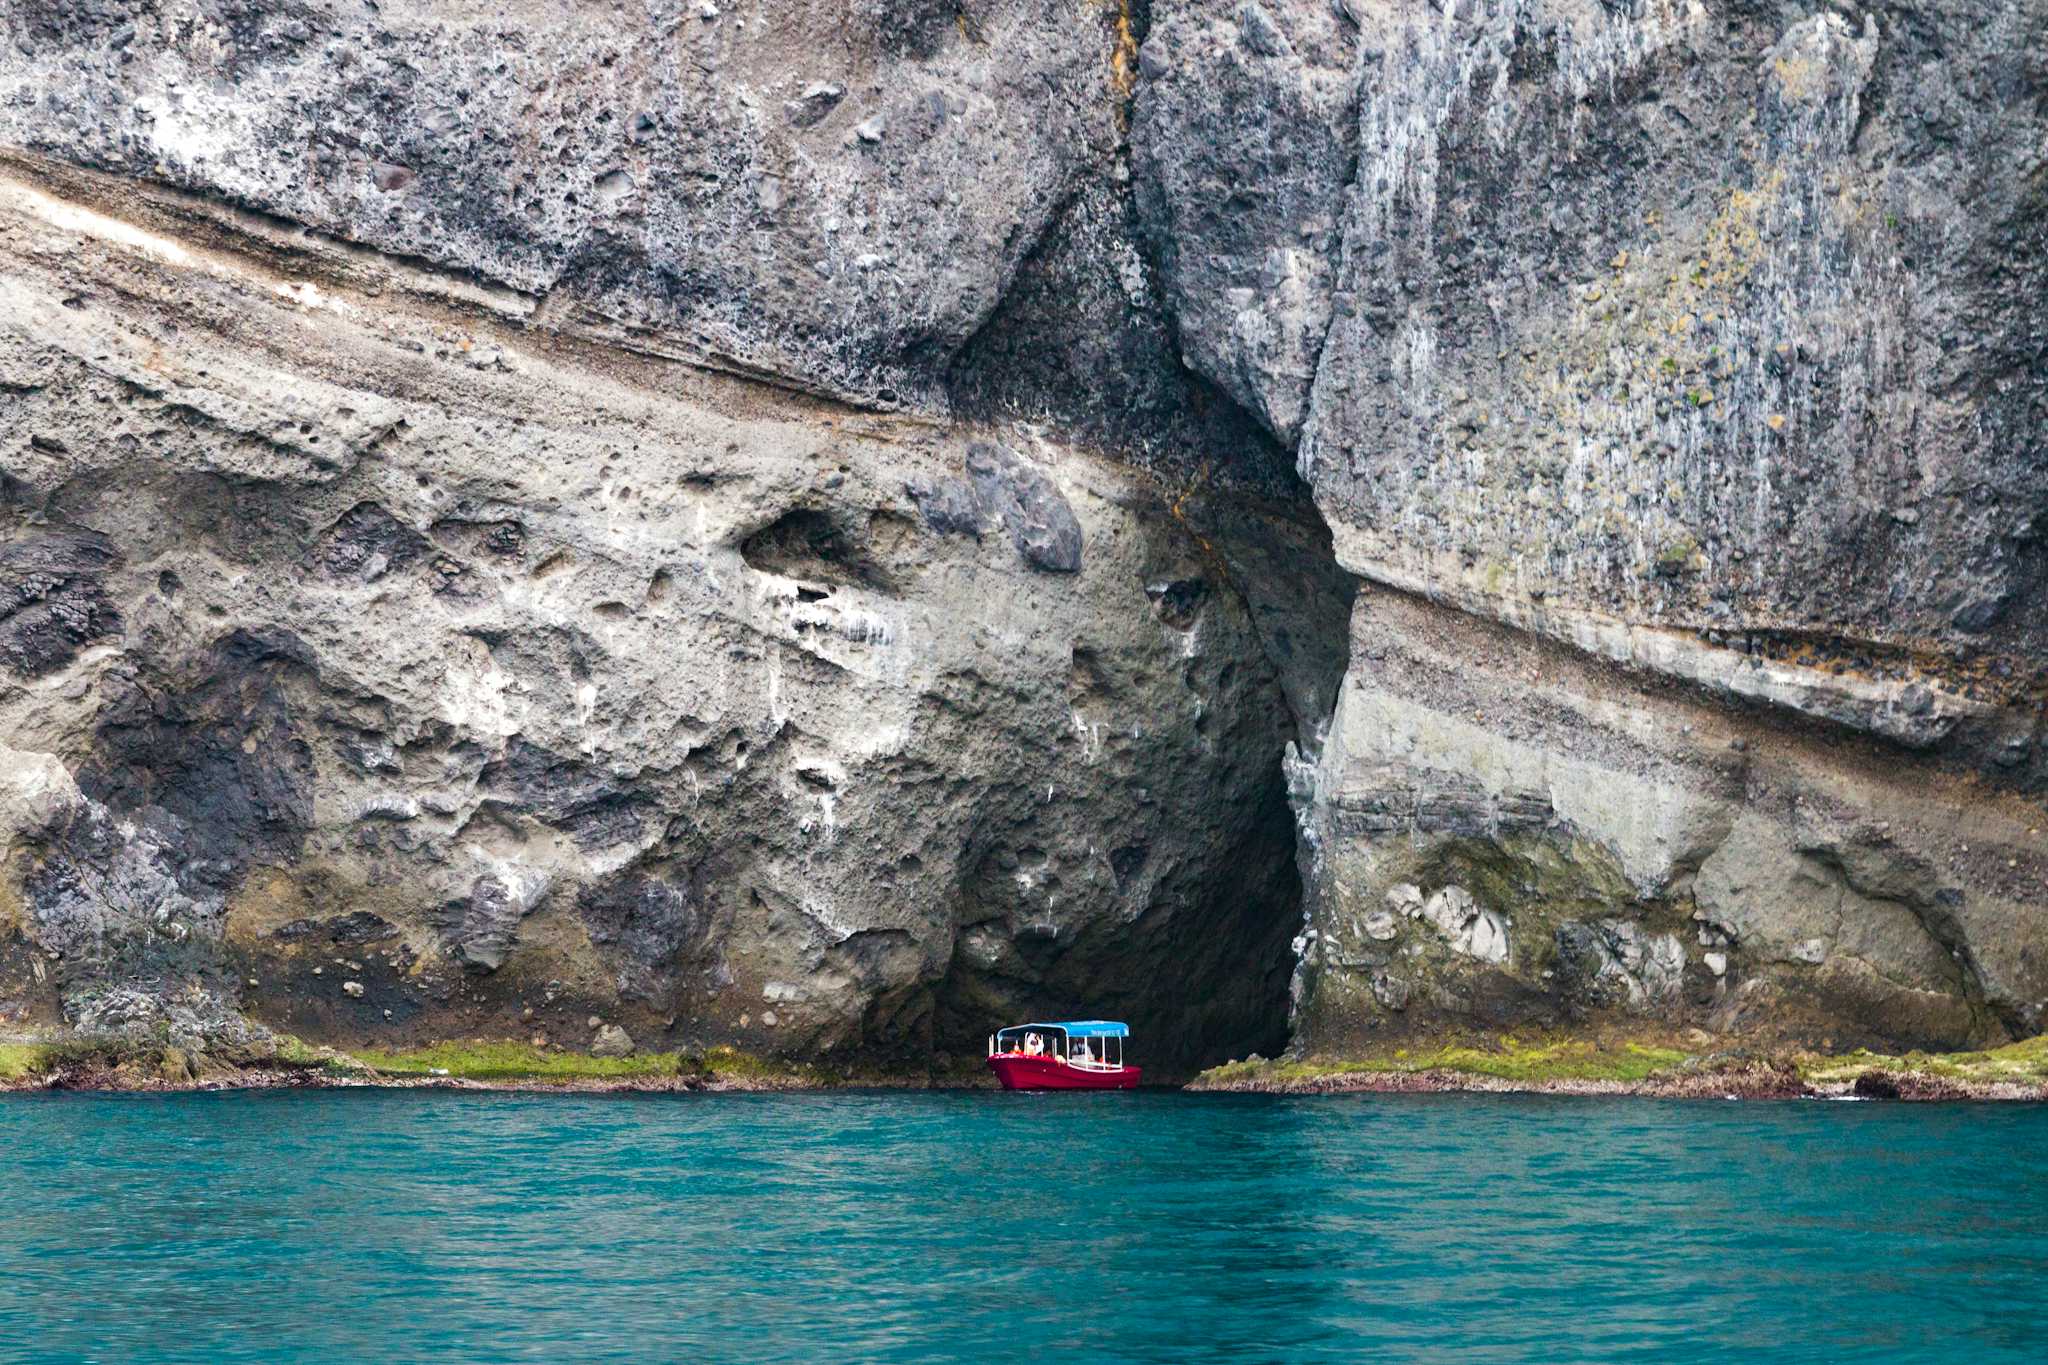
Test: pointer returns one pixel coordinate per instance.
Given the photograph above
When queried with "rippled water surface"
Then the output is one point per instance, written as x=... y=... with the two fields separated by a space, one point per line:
x=371 y=1225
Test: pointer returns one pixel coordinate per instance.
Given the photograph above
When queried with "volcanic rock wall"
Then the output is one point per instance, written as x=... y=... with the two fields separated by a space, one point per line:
x=1674 y=376
x=825 y=525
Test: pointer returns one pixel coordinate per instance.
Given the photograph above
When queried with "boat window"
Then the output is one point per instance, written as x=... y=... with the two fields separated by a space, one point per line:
x=1054 y=1043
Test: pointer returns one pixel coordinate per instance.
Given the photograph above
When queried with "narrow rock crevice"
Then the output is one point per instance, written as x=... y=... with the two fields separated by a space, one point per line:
x=1084 y=342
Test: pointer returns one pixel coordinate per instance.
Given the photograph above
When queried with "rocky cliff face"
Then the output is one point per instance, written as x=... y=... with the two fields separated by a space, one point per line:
x=1670 y=373
x=829 y=525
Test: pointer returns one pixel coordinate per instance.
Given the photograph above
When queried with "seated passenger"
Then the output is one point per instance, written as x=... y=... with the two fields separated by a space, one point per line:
x=1082 y=1056
x=1033 y=1045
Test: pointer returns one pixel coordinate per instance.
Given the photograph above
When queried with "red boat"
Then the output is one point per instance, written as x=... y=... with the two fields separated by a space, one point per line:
x=1081 y=1054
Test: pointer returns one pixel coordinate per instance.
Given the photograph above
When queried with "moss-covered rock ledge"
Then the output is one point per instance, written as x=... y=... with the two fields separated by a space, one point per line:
x=128 y=1064
x=1554 y=1065
x=1653 y=1067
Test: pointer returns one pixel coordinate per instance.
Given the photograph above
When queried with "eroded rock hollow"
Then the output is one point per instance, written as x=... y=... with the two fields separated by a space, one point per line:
x=827 y=526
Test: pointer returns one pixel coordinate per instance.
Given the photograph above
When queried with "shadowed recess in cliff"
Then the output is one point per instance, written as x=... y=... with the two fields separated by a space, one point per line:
x=1199 y=970
x=1083 y=341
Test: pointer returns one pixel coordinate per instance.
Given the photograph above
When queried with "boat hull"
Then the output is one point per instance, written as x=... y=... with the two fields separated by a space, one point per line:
x=1043 y=1073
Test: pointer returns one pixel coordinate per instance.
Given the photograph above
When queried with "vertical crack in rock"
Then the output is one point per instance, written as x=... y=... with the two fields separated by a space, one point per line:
x=1084 y=339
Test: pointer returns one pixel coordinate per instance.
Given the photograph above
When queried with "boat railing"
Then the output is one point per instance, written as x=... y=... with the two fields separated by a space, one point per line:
x=1087 y=1062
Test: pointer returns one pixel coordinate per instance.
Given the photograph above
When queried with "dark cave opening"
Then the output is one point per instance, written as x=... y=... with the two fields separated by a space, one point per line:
x=1201 y=974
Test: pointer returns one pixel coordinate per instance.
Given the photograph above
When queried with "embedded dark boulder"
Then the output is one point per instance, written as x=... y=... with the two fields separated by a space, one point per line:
x=213 y=741
x=1002 y=490
x=593 y=807
x=52 y=600
x=367 y=543
x=481 y=927
x=1029 y=505
x=132 y=923
x=649 y=927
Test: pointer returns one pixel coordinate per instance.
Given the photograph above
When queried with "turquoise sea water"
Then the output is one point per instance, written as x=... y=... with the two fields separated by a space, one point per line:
x=403 y=1225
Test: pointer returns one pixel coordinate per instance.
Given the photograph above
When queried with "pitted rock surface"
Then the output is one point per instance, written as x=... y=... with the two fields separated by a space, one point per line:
x=607 y=686
x=832 y=193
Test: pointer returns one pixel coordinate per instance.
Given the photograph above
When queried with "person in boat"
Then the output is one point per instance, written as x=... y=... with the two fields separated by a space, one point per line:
x=1082 y=1056
x=1034 y=1045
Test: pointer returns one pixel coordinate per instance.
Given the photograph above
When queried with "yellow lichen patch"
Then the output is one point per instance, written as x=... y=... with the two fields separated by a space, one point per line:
x=1801 y=77
x=1652 y=1065
x=1507 y=1058
x=1123 y=55
x=488 y=1060
x=482 y=1060
x=2021 y=1063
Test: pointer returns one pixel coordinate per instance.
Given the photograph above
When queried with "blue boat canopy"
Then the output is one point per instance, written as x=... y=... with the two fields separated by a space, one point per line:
x=1083 y=1028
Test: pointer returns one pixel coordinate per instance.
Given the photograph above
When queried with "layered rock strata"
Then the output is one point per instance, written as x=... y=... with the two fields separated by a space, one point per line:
x=1671 y=372
x=831 y=524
